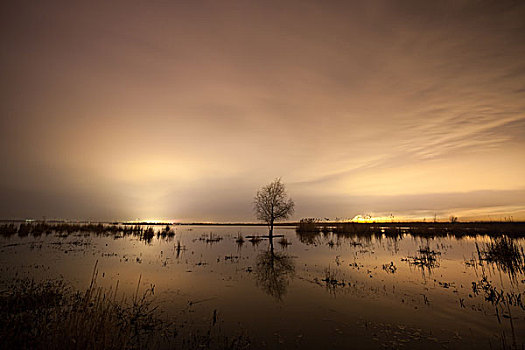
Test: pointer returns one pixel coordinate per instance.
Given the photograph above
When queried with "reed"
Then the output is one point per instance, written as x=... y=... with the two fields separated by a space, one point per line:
x=310 y=227
x=504 y=253
x=50 y=315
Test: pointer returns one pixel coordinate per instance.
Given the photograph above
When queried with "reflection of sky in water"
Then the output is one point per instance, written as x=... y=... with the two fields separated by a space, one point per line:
x=330 y=292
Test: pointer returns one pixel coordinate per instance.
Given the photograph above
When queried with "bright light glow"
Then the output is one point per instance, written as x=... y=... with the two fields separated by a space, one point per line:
x=370 y=218
x=153 y=221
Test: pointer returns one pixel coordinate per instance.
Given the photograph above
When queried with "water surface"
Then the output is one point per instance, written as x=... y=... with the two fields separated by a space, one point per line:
x=300 y=290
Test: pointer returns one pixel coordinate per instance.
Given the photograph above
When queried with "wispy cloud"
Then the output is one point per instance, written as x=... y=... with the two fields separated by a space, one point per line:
x=130 y=104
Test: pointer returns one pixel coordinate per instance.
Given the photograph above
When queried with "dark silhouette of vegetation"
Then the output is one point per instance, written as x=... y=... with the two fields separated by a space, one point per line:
x=505 y=254
x=254 y=240
x=390 y=268
x=425 y=258
x=239 y=240
x=284 y=242
x=504 y=303
x=332 y=281
x=37 y=229
x=210 y=238
x=497 y=296
x=272 y=204
x=311 y=227
x=50 y=315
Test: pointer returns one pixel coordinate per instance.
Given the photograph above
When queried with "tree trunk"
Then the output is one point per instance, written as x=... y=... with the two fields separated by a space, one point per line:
x=271 y=229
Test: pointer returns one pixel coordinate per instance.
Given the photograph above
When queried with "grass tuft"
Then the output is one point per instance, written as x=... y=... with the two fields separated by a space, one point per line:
x=50 y=315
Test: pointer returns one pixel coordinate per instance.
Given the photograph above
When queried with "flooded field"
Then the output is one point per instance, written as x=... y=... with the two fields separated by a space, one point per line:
x=299 y=290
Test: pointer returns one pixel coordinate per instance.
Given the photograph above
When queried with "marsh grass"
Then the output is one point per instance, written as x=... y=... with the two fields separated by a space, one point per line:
x=179 y=248
x=311 y=227
x=332 y=280
x=390 y=268
x=505 y=254
x=148 y=234
x=283 y=242
x=64 y=230
x=504 y=304
x=254 y=240
x=497 y=296
x=50 y=315
x=239 y=240
x=425 y=258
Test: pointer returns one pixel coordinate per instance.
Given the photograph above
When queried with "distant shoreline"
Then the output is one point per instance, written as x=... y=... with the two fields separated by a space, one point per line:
x=305 y=228
x=291 y=223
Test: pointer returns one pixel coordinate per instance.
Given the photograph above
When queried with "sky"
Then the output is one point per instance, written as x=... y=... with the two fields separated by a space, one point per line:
x=181 y=110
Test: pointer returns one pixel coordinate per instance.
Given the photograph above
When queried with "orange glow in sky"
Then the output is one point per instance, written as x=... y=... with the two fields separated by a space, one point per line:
x=122 y=110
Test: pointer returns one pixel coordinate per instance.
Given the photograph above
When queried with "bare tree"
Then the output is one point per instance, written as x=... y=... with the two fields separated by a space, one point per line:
x=272 y=204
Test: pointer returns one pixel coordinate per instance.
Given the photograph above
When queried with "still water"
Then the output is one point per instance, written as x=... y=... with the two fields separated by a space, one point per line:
x=301 y=291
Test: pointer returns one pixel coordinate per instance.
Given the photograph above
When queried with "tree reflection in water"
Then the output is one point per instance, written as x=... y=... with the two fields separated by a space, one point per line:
x=274 y=272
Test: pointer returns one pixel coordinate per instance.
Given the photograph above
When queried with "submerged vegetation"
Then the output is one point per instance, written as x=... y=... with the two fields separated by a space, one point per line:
x=505 y=254
x=332 y=280
x=424 y=258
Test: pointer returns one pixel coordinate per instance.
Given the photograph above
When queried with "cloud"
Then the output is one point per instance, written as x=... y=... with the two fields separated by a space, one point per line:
x=475 y=205
x=152 y=101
